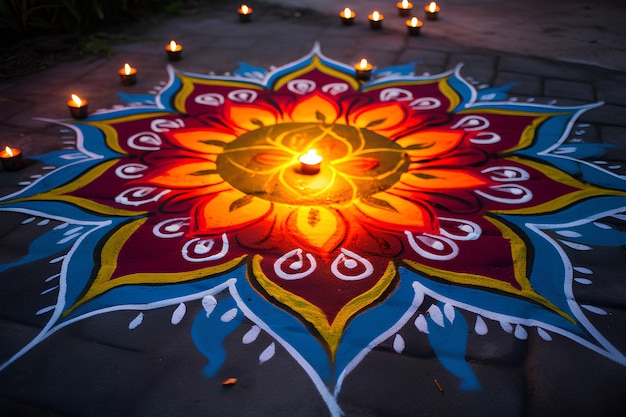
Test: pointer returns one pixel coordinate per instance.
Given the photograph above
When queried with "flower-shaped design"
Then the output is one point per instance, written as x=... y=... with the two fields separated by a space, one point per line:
x=421 y=190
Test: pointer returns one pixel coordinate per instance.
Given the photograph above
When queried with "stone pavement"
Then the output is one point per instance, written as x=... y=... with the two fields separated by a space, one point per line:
x=97 y=367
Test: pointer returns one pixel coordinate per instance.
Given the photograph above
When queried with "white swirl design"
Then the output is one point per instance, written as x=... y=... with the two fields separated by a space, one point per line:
x=335 y=88
x=471 y=123
x=425 y=103
x=203 y=250
x=351 y=260
x=145 y=141
x=164 y=125
x=436 y=248
x=130 y=171
x=506 y=173
x=243 y=95
x=210 y=99
x=171 y=228
x=301 y=86
x=521 y=194
x=461 y=229
x=395 y=94
x=138 y=196
x=296 y=265
x=485 y=138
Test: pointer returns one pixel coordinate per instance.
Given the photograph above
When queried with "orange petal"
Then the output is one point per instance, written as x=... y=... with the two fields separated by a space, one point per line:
x=206 y=141
x=251 y=117
x=230 y=210
x=438 y=179
x=315 y=109
x=430 y=143
x=379 y=117
x=189 y=175
x=388 y=211
x=317 y=226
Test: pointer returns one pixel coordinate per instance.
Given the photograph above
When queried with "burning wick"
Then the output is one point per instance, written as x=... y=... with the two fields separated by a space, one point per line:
x=244 y=13
x=128 y=75
x=174 y=51
x=310 y=162
x=363 y=70
x=11 y=159
x=432 y=11
x=78 y=107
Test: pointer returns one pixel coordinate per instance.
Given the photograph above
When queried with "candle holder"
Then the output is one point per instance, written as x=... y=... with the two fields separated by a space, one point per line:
x=432 y=11
x=174 y=51
x=347 y=16
x=245 y=13
x=128 y=75
x=414 y=26
x=310 y=163
x=376 y=20
x=404 y=8
x=78 y=108
x=11 y=159
x=363 y=70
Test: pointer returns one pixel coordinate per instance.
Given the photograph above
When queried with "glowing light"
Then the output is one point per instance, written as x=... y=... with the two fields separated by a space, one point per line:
x=244 y=9
x=310 y=162
x=77 y=100
x=127 y=69
x=173 y=46
x=363 y=64
x=432 y=7
x=414 y=22
x=375 y=16
x=347 y=13
x=8 y=151
x=405 y=4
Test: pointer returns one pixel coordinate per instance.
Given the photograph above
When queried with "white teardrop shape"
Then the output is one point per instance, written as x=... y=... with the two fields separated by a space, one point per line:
x=43 y=222
x=136 y=322
x=448 y=311
x=251 y=335
x=267 y=354
x=45 y=310
x=602 y=225
x=480 y=327
x=421 y=324
x=568 y=233
x=506 y=327
x=208 y=303
x=544 y=335
x=29 y=220
x=520 y=332
x=398 y=344
x=229 y=315
x=179 y=313
x=594 y=309
x=436 y=315
x=583 y=270
x=583 y=281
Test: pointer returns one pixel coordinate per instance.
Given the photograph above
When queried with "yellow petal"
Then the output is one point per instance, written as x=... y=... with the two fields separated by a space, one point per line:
x=430 y=143
x=379 y=117
x=201 y=140
x=250 y=117
x=391 y=212
x=190 y=175
x=317 y=226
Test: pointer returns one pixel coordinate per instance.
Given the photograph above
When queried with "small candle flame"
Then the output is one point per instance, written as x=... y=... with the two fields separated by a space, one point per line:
x=363 y=64
x=127 y=69
x=347 y=13
x=375 y=16
x=245 y=9
x=173 y=46
x=405 y=4
x=311 y=158
x=432 y=7
x=77 y=100
x=414 y=22
x=9 y=151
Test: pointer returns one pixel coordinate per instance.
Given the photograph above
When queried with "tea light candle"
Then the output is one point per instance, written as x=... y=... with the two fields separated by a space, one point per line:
x=413 y=26
x=174 y=51
x=78 y=107
x=310 y=162
x=363 y=70
x=11 y=159
x=404 y=7
x=245 y=13
x=347 y=16
x=376 y=20
x=128 y=75
x=432 y=11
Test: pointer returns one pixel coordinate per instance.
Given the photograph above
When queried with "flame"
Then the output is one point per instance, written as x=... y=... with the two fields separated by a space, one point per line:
x=127 y=69
x=414 y=22
x=405 y=4
x=347 y=13
x=245 y=9
x=375 y=16
x=311 y=158
x=363 y=64
x=77 y=100
x=9 y=151
x=432 y=7
x=173 y=46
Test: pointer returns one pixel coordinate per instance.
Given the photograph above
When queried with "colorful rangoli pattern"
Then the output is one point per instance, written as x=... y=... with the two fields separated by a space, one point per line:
x=427 y=188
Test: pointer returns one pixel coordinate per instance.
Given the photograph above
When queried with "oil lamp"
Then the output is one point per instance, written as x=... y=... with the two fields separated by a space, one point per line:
x=11 y=159
x=78 y=107
x=310 y=162
x=174 y=51
x=128 y=75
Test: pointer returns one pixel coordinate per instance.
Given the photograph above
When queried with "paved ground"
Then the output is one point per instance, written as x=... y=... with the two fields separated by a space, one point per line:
x=99 y=368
